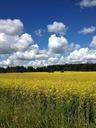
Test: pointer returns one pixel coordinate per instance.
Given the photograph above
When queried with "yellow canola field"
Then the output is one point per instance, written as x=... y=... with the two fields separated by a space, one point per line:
x=81 y=83
x=48 y=100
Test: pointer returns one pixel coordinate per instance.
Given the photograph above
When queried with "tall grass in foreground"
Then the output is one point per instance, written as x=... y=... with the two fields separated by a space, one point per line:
x=48 y=100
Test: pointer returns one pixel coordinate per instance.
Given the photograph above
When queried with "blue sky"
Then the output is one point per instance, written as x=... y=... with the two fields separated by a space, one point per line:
x=36 y=15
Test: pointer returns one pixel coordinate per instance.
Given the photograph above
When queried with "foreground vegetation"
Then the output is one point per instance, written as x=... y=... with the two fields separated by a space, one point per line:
x=48 y=100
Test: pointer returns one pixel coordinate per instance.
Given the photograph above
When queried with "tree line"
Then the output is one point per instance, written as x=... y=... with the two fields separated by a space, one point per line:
x=51 y=68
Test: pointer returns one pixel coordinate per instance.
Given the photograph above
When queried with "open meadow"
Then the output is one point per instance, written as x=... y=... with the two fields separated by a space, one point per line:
x=48 y=100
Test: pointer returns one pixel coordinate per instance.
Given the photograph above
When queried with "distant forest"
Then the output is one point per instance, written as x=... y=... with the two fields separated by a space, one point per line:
x=51 y=68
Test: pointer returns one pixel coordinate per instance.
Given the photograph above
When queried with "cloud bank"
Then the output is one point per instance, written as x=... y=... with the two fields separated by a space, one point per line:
x=19 y=48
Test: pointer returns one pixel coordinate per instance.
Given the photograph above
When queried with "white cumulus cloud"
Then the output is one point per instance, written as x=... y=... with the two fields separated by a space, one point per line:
x=39 y=32
x=11 y=27
x=88 y=3
x=93 y=42
x=57 y=27
x=12 y=38
x=83 y=55
x=88 y=30
x=53 y=60
x=13 y=43
x=23 y=42
x=57 y=44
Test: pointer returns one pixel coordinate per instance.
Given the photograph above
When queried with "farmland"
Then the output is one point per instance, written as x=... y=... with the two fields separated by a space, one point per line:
x=48 y=100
